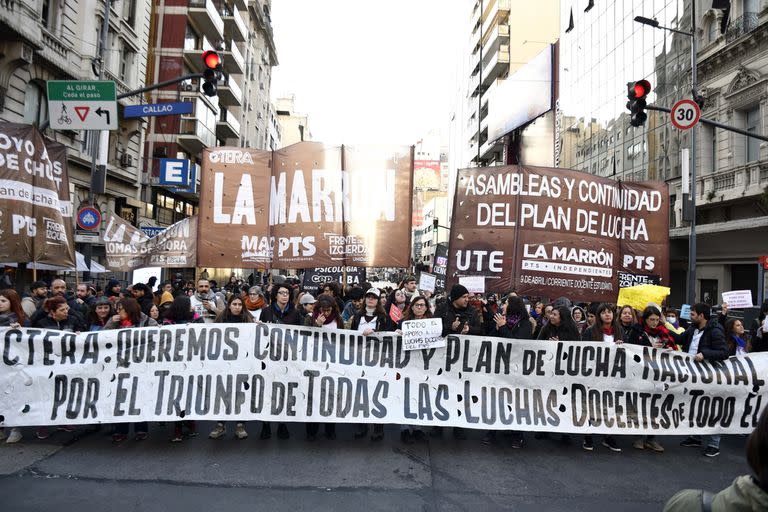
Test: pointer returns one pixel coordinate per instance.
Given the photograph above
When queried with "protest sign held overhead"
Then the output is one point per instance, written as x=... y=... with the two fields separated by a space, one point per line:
x=275 y=372
x=129 y=248
x=306 y=205
x=35 y=206
x=554 y=232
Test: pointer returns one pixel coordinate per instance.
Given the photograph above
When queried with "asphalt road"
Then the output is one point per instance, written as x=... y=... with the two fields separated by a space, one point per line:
x=84 y=472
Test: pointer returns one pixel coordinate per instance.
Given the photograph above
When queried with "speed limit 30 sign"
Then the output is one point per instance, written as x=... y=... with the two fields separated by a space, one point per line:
x=685 y=114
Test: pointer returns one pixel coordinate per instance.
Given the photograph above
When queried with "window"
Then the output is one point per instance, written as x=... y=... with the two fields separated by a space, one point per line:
x=49 y=15
x=126 y=65
x=714 y=30
x=129 y=11
x=753 y=126
x=191 y=39
x=35 y=104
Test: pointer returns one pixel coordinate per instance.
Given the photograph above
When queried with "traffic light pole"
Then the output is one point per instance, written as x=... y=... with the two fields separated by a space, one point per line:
x=691 y=296
x=715 y=124
x=96 y=140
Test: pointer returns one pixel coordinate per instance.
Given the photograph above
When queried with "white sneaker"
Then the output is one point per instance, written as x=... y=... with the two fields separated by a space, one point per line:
x=240 y=432
x=14 y=437
x=217 y=432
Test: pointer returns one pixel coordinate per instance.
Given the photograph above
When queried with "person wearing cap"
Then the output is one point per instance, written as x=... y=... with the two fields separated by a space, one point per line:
x=306 y=305
x=32 y=303
x=370 y=318
x=101 y=312
x=458 y=318
x=166 y=299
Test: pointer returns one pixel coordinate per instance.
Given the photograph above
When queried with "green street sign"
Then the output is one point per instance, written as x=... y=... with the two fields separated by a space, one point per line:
x=82 y=105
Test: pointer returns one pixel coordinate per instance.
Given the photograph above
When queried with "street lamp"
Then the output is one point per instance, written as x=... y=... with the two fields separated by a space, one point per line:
x=691 y=292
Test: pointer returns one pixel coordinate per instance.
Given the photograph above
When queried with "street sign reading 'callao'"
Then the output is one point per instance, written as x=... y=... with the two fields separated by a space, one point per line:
x=82 y=105
x=158 y=109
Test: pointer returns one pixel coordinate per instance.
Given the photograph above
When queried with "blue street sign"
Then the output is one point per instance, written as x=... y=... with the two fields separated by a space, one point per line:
x=151 y=231
x=158 y=109
x=174 y=172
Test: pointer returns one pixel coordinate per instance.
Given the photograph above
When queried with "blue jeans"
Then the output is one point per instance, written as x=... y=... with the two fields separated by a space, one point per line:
x=713 y=440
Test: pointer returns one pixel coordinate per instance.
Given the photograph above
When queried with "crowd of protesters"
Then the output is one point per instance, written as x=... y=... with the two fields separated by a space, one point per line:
x=707 y=335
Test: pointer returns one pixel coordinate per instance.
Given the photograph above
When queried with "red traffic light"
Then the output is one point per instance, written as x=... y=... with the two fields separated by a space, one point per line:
x=211 y=59
x=641 y=88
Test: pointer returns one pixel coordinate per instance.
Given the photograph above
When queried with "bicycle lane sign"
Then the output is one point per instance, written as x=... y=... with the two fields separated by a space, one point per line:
x=82 y=105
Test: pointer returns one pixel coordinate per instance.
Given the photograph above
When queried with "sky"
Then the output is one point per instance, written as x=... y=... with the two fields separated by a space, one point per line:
x=369 y=72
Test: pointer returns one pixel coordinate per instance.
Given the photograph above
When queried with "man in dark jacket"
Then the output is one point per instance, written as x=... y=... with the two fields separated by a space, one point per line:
x=143 y=296
x=457 y=315
x=705 y=341
x=458 y=318
x=59 y=288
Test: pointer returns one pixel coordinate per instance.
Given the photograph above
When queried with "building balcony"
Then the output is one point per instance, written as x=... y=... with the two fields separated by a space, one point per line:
x=241 y=4
x=497 y=38
x=234 y=63
x=234 y=27
x=204 y=15
x=495 y=13
x=194 y=56
x=194 y=135
x=230 y=93
x=493 y=68
x=741 y=26
x=228 y=127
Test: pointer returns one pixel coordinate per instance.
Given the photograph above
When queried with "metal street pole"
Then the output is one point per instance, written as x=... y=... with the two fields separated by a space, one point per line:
x=691 y=295
x=95 y=140
x=480 y=85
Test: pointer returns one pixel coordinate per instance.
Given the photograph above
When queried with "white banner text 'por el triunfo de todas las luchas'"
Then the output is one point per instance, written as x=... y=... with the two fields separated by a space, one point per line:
x=285 y=373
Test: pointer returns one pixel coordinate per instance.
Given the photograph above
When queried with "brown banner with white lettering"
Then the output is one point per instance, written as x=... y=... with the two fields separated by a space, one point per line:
x=128 y=248
x=307 y=205
x=35 y=206
x=551 y=232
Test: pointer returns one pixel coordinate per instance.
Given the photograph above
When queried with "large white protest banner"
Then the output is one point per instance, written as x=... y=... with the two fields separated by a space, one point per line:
x=285 y=373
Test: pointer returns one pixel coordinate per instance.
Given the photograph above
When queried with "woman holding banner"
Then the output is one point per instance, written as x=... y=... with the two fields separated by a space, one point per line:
x=606 y=329
x=128 y=316
x=101 y=312
x=418 y=309
x=11 y=315
x=653 y=334
x=560 y=326
x=630 y=327
x=235 y=313
x=325 y=315
x=371 y=318
x=512 y=322
x=738 y=343
x=181 y=312
x=254 y=302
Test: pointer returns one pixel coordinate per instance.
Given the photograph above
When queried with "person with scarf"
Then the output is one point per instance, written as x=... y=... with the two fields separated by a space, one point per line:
x=129 y=316
x=11 y=315
x=606 y=329
x=630 y=327
x=738 y=345
x=254 y=302
x=652 y=334
x=511 y=322
x=279 y=311
x=235 y=313
x=205 y=302
x=371 y=318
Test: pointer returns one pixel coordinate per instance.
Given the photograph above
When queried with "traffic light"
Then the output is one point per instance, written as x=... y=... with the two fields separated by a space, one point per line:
x=636 y=93
x=212 y=73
